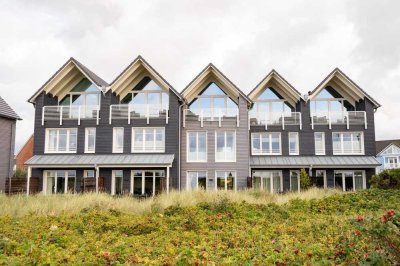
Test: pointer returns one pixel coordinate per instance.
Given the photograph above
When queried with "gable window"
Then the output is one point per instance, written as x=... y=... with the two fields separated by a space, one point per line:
x=62 y=140
x=59 y=182
x=266 y=143
x=118 y=140
x=319 y=140
x=196 y=180
x=294 y=181
x=225 y=146
x=148 y=139
x=226 y=180
x=90 y=140
x=293 y=143
x=348 y=143
x=197 y=146
x=269 y=181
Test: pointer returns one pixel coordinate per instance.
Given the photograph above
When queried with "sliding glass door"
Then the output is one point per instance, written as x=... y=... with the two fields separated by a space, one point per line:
x=350 y=180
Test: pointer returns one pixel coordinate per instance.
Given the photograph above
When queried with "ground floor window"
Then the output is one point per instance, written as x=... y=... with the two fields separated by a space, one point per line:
x=295 y=181
x=147 y=182
x=270 y=181
x=196 y=180
x=350 y=180
x=59 y=181
x=226 y=180
x=319 y=180
x=117 y=182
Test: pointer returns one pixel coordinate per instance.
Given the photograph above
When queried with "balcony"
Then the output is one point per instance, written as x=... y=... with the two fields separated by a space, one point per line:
x=211 y=114
x=347 y=118
x=62 y=113
x=392 y=165
x=275 y=119
x=138 y=111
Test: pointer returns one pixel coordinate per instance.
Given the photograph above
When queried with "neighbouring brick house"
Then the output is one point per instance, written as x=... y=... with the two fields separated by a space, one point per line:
x=24 y=154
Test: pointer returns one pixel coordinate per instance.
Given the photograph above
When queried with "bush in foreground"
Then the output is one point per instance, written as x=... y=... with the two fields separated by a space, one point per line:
x=388 y=179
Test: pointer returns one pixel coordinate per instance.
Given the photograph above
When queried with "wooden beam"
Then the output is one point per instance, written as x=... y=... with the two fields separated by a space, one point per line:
x=50 y=86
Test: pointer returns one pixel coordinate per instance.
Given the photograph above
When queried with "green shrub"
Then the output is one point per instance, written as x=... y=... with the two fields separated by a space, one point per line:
x=388 y=179
x=305 y=180
x=19 y=172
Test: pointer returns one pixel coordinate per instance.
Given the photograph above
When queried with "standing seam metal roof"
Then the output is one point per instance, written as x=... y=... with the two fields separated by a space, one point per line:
x=315 y=161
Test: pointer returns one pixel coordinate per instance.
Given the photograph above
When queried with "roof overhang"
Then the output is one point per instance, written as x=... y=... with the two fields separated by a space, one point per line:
x=211 y=74
x=275 y=80
x=133 y=74
x=344 y=86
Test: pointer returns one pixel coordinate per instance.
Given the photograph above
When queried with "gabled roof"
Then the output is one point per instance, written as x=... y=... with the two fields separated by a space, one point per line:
x=273 y=76
x=189 y=91
x=353 y=89
x=6 y=111
x=381 y=145
x=134 y=65
x=68 y=66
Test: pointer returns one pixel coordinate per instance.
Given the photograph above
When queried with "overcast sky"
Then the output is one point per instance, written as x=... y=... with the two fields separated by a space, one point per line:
x=303 y=40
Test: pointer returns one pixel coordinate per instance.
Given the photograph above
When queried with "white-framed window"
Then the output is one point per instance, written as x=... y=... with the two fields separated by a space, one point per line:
x=196 y=180
x=319 y=140
x=88 y=174
x=225 y=180
x=391 y=162
x=348 y=143
x=225 y=146
x=350 y=180
x=294 y=181
x=269 y=181
x=147 y=182
x=117 y=180
x=264 y=143
x=320 y=179
x=59 y=181
x=196 y=146
x=293 y=143
x=118 y=140
x=90 y=140
x=61 y=140
x=148 y=139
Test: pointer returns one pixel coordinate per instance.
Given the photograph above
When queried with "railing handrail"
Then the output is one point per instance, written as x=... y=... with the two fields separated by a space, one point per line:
x=75 y=112
x=126 y=109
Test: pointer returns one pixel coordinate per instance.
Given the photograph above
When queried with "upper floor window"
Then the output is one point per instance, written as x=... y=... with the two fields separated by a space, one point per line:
x=147 y=96
x=197 y=146
x=118 y=140
x=266 y=143
x=213 y=102
x=328 y=101
x=319 y=140
x=270 y=101
x=61 y=140
x=148 y=139
x=90 y=140
x=225 y=146
x=348 y=143
x=293 y=143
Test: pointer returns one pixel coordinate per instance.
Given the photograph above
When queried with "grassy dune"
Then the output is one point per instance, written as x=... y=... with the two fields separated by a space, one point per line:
x=317 y=227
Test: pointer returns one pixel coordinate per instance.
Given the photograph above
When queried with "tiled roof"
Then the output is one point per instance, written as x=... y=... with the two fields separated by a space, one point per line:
x=383 y=144
x=7 y=111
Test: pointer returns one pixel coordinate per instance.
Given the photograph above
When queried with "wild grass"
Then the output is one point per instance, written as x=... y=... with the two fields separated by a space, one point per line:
x=52 y=205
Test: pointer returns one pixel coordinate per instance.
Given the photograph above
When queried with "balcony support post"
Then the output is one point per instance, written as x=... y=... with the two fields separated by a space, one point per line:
x=219 y=118
x=61 y=113
x=283 y=121
x=148 y=113
x=129 y=114
x=97 y=115
x=43 y=110
x=329 y=120
x=300 y=121
x=365 y=119
x=312 y=122
x=237 y=117
x=347 y=120
x=166 y=115
x=266 y=121
x=201 y=118
x=79 y=115
x=110 y=114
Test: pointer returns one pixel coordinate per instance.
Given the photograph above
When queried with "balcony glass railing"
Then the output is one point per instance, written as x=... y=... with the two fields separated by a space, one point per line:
x=339 y=118
x=138 y=111
x=210 y=114
x=275 y=119
x=61 y=113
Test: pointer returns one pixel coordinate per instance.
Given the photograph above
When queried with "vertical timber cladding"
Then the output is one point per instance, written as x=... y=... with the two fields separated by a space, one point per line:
x=241 y=166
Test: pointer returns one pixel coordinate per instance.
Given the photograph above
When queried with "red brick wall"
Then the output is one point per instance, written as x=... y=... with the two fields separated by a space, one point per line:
x=24 y=154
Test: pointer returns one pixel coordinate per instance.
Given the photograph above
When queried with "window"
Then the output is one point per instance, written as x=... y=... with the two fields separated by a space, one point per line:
x=319 y=140
x=117 y=182
x=59 y=182
x=294 y=181
x=118 y=140
x=226 y=180
x=90 y=140
x=391 y=162
x=88 y=174
x=62 y=140
x=225 y=146
x=266 y=143
x=348 y=143
x=319 y=180
x=269 y=181
x=147 y=182
x=196 y=180
x=350 y=180
x=197 y=146
x=148 y=139
x=293 y=143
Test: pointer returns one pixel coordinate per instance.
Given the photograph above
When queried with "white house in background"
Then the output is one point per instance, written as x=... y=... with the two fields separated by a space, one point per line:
x=388 y=154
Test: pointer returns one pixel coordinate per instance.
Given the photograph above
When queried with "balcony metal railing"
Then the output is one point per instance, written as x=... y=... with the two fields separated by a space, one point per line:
x=339 y=118
x=210 y=114
x=138 y=111
x=61 y=113
x=275 y=119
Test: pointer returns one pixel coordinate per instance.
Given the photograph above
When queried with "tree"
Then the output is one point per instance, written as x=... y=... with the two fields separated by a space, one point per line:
x=305 y=180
